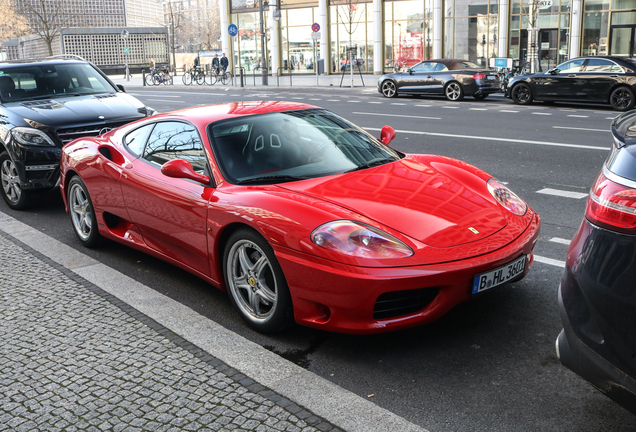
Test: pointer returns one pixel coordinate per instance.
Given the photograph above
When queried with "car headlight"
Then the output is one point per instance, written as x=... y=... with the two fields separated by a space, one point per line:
x=30 y=136
x=507 y=198
x=359 y=240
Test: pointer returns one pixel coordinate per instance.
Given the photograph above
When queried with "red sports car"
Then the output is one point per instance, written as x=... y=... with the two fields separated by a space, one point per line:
x=300 y=215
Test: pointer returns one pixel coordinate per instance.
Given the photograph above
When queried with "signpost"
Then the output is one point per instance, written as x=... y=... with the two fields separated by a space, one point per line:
x=315 y=37
x=124 y=36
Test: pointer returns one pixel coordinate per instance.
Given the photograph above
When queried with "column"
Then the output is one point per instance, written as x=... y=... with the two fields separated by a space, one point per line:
x=225 y=37
x=378 y=52
x=438 y=23
x=324 y=32
x=274 y=46
x=503 y=28
x=575 y=29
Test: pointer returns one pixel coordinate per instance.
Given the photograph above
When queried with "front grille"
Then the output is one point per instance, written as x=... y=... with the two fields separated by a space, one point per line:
x=398 y=303
x=69 y=134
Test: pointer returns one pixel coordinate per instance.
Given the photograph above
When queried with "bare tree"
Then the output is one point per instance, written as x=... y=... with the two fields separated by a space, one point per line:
x=349 y=15
x=173 y=19
x=12 y=23
x=531 y=9
x=202 y=24
x=46 y=18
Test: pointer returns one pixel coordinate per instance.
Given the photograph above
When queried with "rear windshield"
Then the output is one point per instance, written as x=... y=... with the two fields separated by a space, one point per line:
x=49 y=81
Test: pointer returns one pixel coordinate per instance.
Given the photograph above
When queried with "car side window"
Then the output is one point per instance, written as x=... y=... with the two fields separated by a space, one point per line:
x=136 y=140
x=602 y=65
x=424 y=67
x=571 y=66
x=440 y=67
x=175 y=140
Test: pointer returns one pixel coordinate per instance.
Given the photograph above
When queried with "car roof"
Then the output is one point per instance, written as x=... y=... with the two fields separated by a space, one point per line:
x=450 y=63
x=47 y=60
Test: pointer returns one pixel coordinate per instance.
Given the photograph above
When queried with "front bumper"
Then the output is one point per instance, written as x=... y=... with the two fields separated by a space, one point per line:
x=342 y=298
x=38 y=167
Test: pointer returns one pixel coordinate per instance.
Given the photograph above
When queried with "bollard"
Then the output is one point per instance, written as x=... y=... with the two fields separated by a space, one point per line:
x=241 y=72
x=143 y=77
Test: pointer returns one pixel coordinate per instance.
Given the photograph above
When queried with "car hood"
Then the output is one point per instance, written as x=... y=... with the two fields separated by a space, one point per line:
x=433 y=200
x=77 y=110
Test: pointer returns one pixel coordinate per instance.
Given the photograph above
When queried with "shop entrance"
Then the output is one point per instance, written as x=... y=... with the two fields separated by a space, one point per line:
x=622 y=40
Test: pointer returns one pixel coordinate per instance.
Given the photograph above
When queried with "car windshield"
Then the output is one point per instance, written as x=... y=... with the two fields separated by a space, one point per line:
x=47 y=81
x=293 y=145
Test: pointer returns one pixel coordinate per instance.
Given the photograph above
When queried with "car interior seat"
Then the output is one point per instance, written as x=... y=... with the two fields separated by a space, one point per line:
x=7 y=88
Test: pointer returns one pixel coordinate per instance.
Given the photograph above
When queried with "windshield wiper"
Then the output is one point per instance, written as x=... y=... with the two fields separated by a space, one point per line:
x=271 y=179
x=371 y=164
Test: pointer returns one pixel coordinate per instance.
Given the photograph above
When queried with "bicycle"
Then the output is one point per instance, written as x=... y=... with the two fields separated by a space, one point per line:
x=212 y=77
x=162 y=77
x=224 y=77
x=195 y=74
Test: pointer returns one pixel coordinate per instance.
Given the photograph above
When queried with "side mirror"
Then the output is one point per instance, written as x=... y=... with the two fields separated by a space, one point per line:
x=387 y=134
x=120 y=87
x=180 y=168
x=553 y=71
x=410 y=71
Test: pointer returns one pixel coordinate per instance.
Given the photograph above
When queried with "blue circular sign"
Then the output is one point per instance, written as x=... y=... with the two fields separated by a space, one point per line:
x=232 y=29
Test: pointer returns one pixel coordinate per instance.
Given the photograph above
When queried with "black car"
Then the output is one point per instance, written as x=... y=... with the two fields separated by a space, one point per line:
x=597 y=79
x=597 y=295
x=45 y=104
x=449 y=77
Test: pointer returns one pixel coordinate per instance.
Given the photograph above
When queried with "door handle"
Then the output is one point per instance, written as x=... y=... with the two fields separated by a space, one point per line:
x=613 y=76
x=572 y=75
x=429 y=76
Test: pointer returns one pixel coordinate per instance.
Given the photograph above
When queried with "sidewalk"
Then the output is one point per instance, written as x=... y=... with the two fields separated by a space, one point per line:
x=85 y=348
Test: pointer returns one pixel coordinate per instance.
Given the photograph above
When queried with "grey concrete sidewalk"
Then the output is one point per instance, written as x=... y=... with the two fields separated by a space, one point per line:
x=84 y=347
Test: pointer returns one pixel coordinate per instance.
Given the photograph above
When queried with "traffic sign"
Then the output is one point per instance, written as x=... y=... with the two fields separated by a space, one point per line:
x=126 y=50
x=315 y=36
x=232 y=29
x=315 y=27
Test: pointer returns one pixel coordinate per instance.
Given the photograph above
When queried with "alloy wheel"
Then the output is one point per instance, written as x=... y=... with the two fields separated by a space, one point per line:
x=10 y=181
x=622 y=99
x=80 y=209
x=388 y=89
x=521 y=94
x=454 y=91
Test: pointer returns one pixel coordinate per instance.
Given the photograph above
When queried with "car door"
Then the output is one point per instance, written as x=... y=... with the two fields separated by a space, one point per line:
x=170 y=213
x=559 y=82
x=417 y=79
x=599 y=75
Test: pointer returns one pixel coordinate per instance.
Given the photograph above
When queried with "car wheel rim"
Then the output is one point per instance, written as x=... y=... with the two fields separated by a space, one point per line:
x=388 y=89
x=622 y=99
x=10 y=181
x=453 y=91
x=521 y=94
x=81 y=214
x=251 y=281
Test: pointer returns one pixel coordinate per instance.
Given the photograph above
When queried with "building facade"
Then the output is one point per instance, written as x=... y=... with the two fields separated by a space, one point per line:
x=383 y=33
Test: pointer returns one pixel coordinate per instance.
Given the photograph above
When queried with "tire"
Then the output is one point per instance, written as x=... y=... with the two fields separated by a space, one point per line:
x=82 y=213
x=521 y=94
x=622 y=99
x=255 y=282
x=156 y=80
x=200 y=78
x=187 y=79
x=210 y=79
x=225 y=78
x=389 y=89
x=167 y=80
x=12 y=192
x=149 y=80
x=480 y=97
x=454 y=91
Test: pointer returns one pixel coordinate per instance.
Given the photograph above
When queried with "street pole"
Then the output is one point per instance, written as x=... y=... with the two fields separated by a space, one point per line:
x=263 y=39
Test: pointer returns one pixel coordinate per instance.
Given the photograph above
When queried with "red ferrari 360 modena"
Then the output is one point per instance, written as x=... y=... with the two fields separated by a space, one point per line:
x=300 y=215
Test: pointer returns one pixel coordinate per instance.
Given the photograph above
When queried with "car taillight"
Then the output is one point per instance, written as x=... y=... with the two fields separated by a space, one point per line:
x=479 y=76
x=612 y=206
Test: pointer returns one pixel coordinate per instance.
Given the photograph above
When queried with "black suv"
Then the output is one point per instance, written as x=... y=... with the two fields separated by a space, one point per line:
x=43 y=105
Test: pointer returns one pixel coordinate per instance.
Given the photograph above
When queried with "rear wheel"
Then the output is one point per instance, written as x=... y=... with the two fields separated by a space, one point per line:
x=521 y=94
x=210 y=79
x=255 y=282
x=187 y=78
x=11 y=190
x=225 y=78
x=200 y=78
x=622 y=99
x=149 y=80
x=82 y=213
x=454 y=91
x=389 y=89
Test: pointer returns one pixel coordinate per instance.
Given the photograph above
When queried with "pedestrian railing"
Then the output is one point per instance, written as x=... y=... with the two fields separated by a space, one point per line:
x=279 y=74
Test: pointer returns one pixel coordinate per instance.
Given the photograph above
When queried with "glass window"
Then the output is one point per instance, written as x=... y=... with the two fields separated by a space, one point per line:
x=175 y=140
x=599 y=65
x=424 y=67
x=624 y=4
x=136 y=140
x=571 y=66
x=595 y=33
x=619 y=18
x=596 y=5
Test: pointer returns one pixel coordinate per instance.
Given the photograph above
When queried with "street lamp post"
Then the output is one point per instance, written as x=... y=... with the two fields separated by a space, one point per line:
x=263 y=39
x=124 y=36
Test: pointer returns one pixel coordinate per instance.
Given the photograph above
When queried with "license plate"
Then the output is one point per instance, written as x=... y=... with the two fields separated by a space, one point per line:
x=498 y=276
x=491 y=77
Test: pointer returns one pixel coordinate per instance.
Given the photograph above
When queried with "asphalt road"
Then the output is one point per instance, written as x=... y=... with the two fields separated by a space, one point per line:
x=489 y=365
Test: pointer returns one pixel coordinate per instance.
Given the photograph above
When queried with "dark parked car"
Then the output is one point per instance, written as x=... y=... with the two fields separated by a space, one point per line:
x=45 y=104
x=449 y=77
x=597 y=295
x=597 y=79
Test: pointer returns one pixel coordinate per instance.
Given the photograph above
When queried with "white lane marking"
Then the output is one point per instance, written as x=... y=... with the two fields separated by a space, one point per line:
x=375 y=102
x=395 y=103
x=155 y=94
x=297 y=98
x=560 y=240
x=545 y=143
x=538 y=113
x=582 y=129
x=333 y=100
x=353 y=101
x=578 y=116
x=478 y=109
x=562 y=193
x=315 y=99
x=610 y=118
x=396 y=115
x=450 y=107
x=163 y=100
x=509 y=111
x=425 y=106
x=549 y=261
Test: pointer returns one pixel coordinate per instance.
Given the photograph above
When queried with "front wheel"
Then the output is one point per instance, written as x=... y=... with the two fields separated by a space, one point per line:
x=255 y=282
x=210 y=79
x=454 y=92
x=187 y=78
x=200 y=78
x=622 y=99
x=12 y=192
x=149 y=80
x=521 y=94
x=167 y=80
x=389 y=89
x=82 y=213
x=225 y=78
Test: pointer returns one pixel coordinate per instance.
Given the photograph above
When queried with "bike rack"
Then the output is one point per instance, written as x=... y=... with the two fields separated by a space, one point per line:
x=241 y=74
x=278 y=74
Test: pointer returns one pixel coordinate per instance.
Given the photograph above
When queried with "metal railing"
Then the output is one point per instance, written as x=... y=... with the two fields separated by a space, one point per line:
x=278 y=74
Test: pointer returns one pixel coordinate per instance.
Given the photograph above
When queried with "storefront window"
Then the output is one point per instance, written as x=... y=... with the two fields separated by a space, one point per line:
x=351 y=37
x=595 y=33
x=298 y=48
x=596 y=5
x=476 y=30
x=408 y=33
